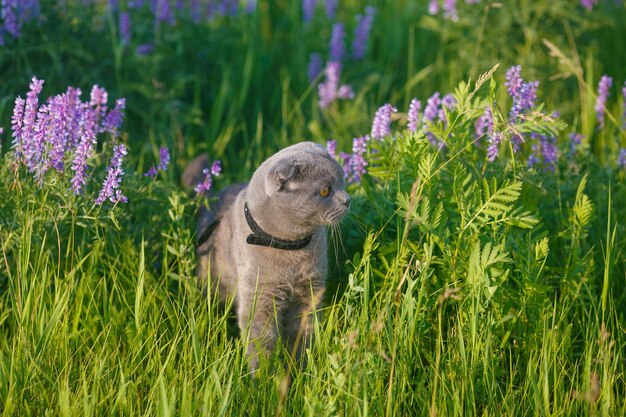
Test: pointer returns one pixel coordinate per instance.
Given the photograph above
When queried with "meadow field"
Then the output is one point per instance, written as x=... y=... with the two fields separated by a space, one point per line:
x=481 y=269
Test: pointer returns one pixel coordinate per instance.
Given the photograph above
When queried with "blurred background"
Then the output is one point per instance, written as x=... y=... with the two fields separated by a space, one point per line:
x=240 y=79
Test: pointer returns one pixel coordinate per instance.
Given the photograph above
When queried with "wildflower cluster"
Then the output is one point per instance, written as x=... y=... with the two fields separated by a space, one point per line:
x=330 y=88
x=604 y=93
x=63 y=129
x=166 y=12
x=164 y=160
x=13 y=15
x=588 y=4
x=449 y=7
x=110 y=188
x=524 y=96
x=434 y=112
x=355 y=164
x=542 y=150
x=362 y=32
x=207 y=183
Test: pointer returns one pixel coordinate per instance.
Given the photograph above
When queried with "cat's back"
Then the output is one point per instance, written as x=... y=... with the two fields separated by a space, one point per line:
x=215 y=250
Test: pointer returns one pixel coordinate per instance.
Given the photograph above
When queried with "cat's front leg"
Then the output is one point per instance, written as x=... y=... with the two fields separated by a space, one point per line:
x=258 y=317
x=300 y=320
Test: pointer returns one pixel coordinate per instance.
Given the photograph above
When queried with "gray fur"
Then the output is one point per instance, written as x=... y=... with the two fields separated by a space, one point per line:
x=276 y=291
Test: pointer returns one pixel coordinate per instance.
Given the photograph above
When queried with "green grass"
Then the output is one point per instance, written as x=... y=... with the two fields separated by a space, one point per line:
x=457 y=286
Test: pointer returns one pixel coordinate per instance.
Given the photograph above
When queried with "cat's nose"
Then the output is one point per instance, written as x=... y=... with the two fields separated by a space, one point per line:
x=346 y=201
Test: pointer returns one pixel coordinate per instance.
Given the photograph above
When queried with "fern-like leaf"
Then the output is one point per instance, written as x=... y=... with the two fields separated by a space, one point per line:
x=496 y=202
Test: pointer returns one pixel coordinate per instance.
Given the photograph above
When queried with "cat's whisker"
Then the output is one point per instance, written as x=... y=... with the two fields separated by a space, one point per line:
x=336 y=238
x=340 y=239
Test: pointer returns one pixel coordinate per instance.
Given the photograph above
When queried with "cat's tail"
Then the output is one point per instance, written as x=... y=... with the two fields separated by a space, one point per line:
x=193 y=174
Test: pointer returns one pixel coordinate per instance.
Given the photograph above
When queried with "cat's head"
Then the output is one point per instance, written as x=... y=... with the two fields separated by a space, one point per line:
x=305 y=185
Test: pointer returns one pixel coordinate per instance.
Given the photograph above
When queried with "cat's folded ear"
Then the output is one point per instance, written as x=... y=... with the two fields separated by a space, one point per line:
x=280 y=173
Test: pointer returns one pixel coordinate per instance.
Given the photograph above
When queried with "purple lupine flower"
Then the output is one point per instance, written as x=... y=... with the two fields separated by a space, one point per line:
x=34 y=147
x=336 y=42
x=525 y=99
x=484 y=124
x=603 y=94
x=98 y=97
x=113 y=120
x=331 y=148
x=575 y=140
x=432 y=108
x=358 y=168
x=362 y=33
x=250 y=6
x=345 y=92
x=447 y=102
x=358 y=163
x=231 y=7
x=359 y=145
x=514 y=80
x=144 y=49
x=27 y=10
x=207 y=183
x=83 y=152
x=216 y=168
x=315 y=66
x=126 y=33
x=30 y=117
x=195 y=10
x=382 y=121
x=135 y=4
x=517 y=140
x=449 y=10
x=179 y=5
x=345 y=159
x=533 y=158
x=433 y=7
x=58 y=135
x=331 y=8
x=163 y=12
x=110 y=187
x=621 y=159
x=17 y=125
x=413 y=115
x=327 y=90
x=164 y=158
x=588 y=4
x=12 y=24
x=308 y=9
x=74 y=116
x=549 y=151
x=152 y=172
x=114 y=5
x=528 y=94
x=494 y=146
x=98 y=100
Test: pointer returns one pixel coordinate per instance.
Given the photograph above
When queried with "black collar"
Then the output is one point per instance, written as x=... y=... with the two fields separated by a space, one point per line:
x=261 y=238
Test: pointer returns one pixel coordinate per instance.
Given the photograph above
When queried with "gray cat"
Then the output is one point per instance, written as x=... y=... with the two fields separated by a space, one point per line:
x=265 y=244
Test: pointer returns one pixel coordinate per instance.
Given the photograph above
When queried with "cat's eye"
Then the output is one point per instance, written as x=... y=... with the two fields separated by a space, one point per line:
x=325 y=191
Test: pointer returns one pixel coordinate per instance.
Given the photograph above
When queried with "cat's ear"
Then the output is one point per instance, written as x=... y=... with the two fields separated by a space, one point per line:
x=280 y=173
